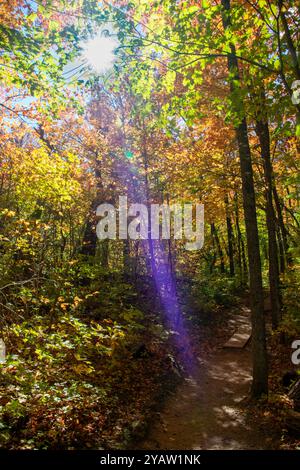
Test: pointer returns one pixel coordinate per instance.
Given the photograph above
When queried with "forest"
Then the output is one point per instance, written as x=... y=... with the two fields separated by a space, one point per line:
x=149 y=224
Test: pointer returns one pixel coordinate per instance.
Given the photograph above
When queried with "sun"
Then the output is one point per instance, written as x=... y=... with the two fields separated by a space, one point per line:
x=99 y=52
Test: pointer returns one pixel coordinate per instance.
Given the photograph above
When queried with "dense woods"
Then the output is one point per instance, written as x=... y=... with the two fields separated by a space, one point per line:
x=200 y=103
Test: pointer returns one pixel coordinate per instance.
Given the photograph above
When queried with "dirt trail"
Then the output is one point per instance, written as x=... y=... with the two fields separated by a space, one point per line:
x=205 y=412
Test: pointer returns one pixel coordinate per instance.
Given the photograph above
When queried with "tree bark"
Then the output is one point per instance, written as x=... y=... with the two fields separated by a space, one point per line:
x=289 y=41
x=241 y=246
x=282 y=228
x=127 y=262
x=229 y=238
x=281 y=251
x=262 y=131
x=89 y=243
x=219 y=248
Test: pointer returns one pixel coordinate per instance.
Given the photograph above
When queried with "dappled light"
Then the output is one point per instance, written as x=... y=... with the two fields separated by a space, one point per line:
x=149 y=231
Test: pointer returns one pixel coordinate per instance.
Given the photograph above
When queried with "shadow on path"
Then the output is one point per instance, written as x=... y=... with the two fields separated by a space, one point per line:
x=205 y=412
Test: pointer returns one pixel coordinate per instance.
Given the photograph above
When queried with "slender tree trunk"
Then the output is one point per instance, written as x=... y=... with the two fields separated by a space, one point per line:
x=213 y=256
x=241 y=247
x=259 y=353
x=135 y=263
x=150 y=241
x=229 y=237
x=219 y=248
x=127 y=262
x=244 y=259
x=151 y=259
x=89 y=243
x=262 y=131
x=281 y=251
x=105 y=253
x=293 y=55
x=90 y=237
x=283 y=230
x=289 y=41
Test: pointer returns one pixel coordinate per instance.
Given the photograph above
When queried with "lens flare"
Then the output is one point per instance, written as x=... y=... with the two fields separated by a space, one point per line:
x=99 y=53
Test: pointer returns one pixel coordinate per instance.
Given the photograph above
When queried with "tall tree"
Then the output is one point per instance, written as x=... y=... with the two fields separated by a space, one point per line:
x=260 y=365
x=262 y=131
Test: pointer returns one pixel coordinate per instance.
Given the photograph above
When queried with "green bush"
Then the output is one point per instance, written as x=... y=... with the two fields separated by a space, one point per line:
x=213 y=292
x=55 y=382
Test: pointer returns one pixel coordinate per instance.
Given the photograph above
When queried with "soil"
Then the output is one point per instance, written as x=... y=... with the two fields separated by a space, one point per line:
x=208 y=410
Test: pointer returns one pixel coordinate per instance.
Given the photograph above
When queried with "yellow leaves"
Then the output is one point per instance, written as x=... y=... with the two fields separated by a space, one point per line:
x=62 y=304
x=72 y=262
x=42 y=354
x=8 y=213
x=71 y=157
x=83 y=369
x=92 y=294
x=78 y=357
x=57 y=180
x=77 y=301
x=65 y=305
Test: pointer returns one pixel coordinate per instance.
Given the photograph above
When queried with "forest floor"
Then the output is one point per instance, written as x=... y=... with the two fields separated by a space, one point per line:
x=139 y=395
x=209 y=409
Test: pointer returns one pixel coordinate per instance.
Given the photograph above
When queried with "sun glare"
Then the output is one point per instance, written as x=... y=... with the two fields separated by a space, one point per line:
x=99 y=53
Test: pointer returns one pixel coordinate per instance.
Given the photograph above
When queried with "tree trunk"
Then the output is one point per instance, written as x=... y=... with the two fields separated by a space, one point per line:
x=289 y=41
x=262 y=131
x=127 y=261
x=259 y=353
x=283 y=230
x=280 y=245
x=229 y=238
x=105 y=253
x=89 y=243
x=219 y=248
x=213 y=254
x=241 y=247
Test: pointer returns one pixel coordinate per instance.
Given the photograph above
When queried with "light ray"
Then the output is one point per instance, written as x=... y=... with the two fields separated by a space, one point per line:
x=99 y=52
